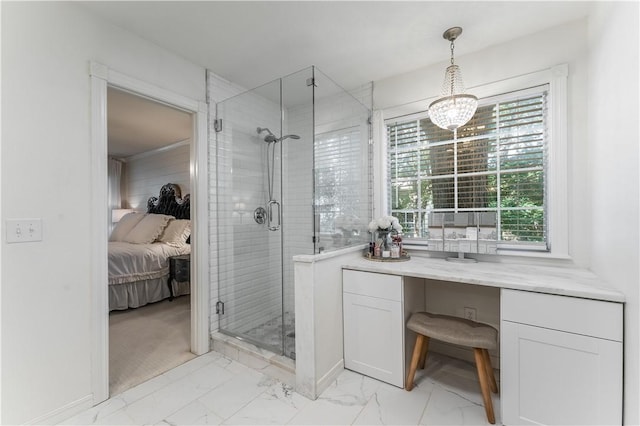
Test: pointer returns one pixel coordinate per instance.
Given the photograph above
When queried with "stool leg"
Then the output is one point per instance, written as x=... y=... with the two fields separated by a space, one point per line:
x=484 y=385
x=492 y=377
x=417 y=350
x=423 y=355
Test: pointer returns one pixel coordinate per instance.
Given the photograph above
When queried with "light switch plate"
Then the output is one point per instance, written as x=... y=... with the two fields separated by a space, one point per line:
x=23 y=230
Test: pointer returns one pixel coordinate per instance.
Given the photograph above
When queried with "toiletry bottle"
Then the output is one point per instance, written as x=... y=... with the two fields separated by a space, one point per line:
x=395 y=250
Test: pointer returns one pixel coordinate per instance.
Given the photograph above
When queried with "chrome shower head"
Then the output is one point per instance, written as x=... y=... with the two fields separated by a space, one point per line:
x=264 y=129
x=270 y=137
x=289 y=136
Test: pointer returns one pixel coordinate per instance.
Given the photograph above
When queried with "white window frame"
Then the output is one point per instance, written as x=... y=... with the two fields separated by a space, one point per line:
x=557 y=167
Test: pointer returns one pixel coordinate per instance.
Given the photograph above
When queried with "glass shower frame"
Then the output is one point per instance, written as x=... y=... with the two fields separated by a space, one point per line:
x=255 y=266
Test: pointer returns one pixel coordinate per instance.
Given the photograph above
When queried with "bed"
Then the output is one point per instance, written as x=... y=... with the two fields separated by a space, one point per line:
x=140 y=247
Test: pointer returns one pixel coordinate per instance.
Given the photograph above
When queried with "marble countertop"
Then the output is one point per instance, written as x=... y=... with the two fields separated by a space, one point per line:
x=560 y=280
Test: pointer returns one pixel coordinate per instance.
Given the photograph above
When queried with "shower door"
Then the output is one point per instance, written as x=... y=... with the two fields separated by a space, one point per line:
x=264 y=209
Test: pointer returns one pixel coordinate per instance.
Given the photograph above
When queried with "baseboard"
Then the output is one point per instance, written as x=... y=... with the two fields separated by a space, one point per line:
x=325 y=381
x=60 y=414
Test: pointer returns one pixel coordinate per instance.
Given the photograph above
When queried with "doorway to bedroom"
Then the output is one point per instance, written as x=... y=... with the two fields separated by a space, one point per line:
x=102 y=78
x=149 y=182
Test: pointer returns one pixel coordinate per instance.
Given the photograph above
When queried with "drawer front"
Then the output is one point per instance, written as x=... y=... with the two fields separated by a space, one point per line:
x=571 y=314
x=383 y=286
x=553 y=377
x=373 y=337
x=182 y=271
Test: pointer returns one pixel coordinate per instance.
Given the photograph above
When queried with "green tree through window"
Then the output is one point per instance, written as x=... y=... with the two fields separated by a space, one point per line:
x=497 y=164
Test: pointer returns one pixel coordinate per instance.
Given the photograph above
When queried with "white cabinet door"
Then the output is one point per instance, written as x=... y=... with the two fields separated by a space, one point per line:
x=554 y=377
x=373 y=337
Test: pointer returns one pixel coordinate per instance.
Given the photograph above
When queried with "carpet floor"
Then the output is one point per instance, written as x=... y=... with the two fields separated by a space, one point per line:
x=147 y=341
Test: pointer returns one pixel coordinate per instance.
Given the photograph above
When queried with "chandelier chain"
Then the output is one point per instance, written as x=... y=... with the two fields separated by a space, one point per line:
x=452 y=82
x=451 y=52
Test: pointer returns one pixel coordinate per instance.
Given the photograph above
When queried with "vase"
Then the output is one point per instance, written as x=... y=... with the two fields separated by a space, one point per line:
x=385 y=236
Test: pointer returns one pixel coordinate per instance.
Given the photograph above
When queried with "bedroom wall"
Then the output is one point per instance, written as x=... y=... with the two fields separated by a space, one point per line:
x=146 y=173
x=45 y=173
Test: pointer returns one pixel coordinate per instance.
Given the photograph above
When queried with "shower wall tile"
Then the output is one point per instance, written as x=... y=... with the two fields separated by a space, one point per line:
x=240 y=252
x=248 y=256
x=298 y=196
x=218 y=89
x=212 y=90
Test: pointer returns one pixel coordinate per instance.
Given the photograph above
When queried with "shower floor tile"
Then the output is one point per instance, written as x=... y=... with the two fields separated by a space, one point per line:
x=270 y=333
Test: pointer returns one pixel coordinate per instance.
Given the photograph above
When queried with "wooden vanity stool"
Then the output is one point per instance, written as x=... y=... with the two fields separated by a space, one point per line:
x=459 y=331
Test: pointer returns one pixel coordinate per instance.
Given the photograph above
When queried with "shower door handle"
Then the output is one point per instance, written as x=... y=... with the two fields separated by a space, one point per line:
x=270 y=209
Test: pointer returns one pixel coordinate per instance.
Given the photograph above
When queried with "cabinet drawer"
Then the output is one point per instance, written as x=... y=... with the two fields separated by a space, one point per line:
x=182 y=271
x=373 y=337
x=180 y=268
x=553 y=377
x=383 y=286
x=572 y=314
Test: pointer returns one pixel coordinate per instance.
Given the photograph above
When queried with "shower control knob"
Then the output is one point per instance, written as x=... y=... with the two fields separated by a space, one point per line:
x=260 y=215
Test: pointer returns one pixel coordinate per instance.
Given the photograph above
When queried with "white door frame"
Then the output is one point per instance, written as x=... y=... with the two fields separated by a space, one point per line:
x=101 y=77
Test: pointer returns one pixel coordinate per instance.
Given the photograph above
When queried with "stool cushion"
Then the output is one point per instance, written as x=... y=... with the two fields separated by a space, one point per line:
x=458 y=331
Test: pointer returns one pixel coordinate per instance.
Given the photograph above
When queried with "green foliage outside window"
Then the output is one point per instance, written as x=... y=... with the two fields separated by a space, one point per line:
x=497 y=163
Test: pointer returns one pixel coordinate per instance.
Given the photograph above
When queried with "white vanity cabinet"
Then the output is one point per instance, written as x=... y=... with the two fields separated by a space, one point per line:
x=376 y=308
x=561 y=359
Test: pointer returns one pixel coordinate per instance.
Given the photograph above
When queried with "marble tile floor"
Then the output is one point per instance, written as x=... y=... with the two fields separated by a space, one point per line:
x=213 y=389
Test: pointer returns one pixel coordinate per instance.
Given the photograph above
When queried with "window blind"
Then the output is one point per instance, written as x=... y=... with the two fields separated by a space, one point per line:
x=497 y=163
x=340 y=174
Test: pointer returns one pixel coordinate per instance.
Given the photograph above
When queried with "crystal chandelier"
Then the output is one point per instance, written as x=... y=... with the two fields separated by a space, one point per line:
x=454 y=108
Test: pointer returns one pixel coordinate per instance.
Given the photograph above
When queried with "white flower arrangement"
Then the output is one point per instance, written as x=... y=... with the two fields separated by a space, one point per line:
x=385 y=223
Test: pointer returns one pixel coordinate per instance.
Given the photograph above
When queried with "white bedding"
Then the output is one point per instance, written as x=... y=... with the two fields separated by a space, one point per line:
x=136 y=262
x=139 y=273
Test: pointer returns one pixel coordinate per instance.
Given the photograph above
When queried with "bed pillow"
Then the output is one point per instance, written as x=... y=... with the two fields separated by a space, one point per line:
x=125 y=225
x=176 y=233
x=148 y=229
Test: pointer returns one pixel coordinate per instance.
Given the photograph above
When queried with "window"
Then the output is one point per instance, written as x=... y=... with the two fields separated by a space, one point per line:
x=496 y=166
x=341 y=186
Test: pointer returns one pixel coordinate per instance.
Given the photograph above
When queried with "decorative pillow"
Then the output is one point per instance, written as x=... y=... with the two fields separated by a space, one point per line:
x=125 y=225
x=148 y=229
x=176 y=232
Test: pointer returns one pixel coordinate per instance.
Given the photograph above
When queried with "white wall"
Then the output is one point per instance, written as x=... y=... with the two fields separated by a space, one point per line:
x=46 y=286
x=558 y=45
x=146 y=174
x=613 y=164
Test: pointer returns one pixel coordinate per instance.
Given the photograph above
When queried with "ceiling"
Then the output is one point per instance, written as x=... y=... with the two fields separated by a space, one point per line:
x=353 y=42
x=136 y=124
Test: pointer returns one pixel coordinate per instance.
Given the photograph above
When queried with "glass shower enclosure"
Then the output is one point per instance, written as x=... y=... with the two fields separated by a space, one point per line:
x=293 y=178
